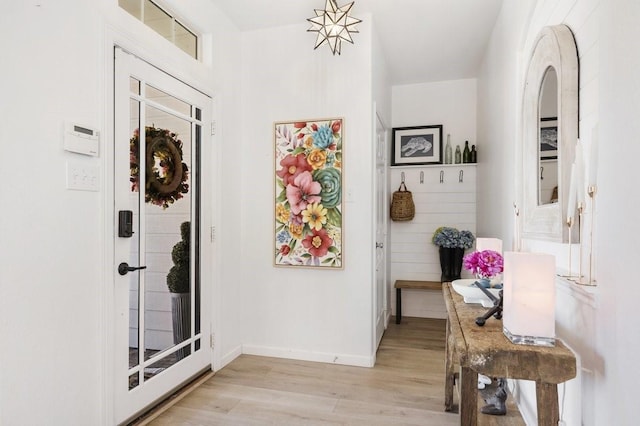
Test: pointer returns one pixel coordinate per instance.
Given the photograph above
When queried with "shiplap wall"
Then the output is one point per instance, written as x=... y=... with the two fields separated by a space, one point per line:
x=580 y=317
x=413 y=255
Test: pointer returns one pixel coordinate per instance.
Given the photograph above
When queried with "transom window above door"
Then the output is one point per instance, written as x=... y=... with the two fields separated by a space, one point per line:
x=163 y=23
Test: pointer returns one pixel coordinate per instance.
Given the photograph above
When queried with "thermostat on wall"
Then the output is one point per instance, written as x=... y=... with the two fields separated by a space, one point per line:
x=81 y=139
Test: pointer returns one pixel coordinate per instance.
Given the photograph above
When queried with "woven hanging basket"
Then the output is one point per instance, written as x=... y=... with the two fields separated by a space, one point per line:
x=402 y=206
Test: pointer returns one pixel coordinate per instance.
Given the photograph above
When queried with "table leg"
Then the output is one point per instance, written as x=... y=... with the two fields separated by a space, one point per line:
x=398 y=305
x=547 y=402
x=449 y=379
x=468 y=397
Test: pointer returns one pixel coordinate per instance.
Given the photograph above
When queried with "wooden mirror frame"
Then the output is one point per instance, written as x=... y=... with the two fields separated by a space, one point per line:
x=555 y=47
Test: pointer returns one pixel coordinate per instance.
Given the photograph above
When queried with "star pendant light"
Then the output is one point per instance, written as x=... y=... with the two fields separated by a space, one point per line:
x=333 y=24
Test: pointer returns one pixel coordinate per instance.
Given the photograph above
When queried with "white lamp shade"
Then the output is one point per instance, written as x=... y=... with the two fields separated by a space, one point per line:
x=494 y=244
x=529 y=298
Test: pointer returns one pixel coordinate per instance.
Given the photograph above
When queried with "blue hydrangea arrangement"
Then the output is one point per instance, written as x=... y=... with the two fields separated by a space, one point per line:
x=448 y=237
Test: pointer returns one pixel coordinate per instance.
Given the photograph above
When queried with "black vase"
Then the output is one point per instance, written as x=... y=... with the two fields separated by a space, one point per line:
x=450 y=263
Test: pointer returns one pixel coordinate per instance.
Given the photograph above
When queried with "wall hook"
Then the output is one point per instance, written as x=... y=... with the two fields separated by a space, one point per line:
x=541 y=170
x=441 y=176
x=461 y=176
x=422 y=177
x=402 y=177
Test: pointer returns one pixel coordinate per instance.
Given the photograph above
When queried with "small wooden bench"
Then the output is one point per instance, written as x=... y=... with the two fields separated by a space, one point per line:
x=412 y=285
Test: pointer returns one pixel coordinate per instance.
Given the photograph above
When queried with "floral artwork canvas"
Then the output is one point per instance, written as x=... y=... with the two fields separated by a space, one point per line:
x=308 y=193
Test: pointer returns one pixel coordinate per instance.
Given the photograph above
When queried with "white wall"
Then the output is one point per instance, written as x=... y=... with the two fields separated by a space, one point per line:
x=616 y=370
x=450 y=103
x=51 y=341
x=453 y=105
x=322 y=315
x=380 y=86
x=498 y=104
x=599 y=324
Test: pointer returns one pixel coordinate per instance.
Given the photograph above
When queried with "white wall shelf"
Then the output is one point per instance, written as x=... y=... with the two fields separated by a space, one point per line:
x=432 y=166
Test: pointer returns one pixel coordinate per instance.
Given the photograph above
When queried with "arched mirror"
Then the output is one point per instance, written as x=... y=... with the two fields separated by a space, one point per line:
x=549 y=134
x=548 y=139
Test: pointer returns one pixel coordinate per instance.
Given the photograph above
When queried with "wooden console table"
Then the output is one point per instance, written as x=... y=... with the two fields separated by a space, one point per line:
x=487 y=351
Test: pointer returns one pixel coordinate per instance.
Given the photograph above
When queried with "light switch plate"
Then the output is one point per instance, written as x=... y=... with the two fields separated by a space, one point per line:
x=83 y=177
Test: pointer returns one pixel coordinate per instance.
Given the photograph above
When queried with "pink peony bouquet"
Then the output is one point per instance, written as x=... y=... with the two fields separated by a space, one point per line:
x=484 y=264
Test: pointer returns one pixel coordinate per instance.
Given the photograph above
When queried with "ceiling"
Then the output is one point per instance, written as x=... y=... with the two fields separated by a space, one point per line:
x=422 y=40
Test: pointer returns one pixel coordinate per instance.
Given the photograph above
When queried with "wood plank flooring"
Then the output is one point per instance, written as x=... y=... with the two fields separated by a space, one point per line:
x=406 y=387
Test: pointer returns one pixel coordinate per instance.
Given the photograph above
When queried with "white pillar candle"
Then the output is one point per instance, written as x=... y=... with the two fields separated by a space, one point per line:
x=571 y=203
x=529 y=298
x=516 y=233
x=580 y=173
x=593 y=158
x=494 y=244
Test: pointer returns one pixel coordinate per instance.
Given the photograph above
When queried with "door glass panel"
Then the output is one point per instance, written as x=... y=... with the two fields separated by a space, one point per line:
x=158 y=367
x=197 y=190
x=133 y=380
x=167 y=221
x=134 y=255
x=160 y=298
x=134 y=85
x=167 y=100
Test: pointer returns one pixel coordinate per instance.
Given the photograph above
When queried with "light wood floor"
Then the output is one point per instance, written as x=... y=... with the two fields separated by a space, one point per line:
x=406 y=387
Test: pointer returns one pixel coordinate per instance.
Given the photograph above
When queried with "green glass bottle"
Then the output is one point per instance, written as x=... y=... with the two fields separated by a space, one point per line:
x=466 y=154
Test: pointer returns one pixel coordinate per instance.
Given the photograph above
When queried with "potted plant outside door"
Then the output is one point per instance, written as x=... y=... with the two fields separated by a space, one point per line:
x=178 y=282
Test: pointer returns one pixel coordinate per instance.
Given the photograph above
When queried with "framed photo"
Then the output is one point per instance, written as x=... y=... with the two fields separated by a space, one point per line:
x=549 y=138
x=416 y=145
x=308 y=193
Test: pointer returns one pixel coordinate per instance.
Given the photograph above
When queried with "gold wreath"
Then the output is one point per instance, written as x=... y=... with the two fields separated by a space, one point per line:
x=166 y=173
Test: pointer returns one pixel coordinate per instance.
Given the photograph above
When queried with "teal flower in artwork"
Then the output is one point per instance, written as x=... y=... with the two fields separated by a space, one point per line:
x=323 y=137
x=330 y=184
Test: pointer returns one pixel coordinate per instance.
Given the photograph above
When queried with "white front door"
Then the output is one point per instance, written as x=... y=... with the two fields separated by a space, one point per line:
x=162 y=338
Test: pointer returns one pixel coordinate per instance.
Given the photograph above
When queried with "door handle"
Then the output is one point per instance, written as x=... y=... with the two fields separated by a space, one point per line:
x=124 y=268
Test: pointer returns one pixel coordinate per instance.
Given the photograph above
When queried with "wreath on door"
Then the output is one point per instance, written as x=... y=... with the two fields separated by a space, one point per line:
x=166 y=173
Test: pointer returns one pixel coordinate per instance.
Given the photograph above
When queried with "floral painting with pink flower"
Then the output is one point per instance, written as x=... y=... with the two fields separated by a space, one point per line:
x=308 y=193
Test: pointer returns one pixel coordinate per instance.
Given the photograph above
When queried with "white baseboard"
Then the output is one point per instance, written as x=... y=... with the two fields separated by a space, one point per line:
x=227 y=358
x=387 y=318
x=342 y=359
